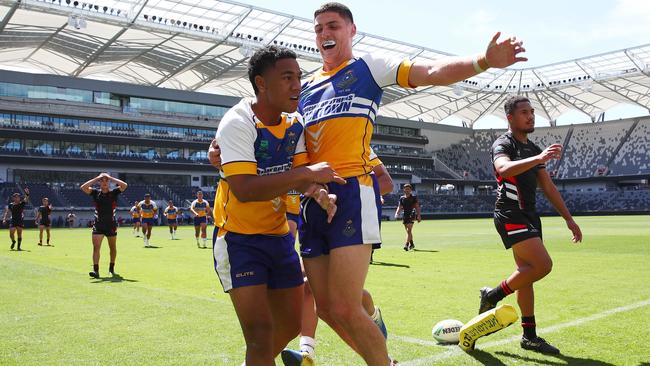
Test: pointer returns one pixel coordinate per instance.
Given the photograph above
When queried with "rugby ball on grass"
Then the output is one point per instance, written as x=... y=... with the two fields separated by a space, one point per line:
x=447 y=331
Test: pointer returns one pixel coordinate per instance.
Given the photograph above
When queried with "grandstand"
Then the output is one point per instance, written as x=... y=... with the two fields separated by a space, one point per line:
x=145 y=111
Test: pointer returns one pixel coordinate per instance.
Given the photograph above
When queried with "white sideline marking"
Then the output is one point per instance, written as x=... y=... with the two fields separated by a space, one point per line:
x=457 y=351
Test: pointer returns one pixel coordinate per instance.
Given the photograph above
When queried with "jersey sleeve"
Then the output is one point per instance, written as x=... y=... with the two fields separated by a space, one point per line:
x=374 y=159
x=538 y=151
x=117 y=191
x=236 y=138
x=93 y=193
x=389 y=71
x=502 y=147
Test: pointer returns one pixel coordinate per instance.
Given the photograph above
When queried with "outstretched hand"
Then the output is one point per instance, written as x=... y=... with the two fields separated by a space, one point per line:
x=504 y=53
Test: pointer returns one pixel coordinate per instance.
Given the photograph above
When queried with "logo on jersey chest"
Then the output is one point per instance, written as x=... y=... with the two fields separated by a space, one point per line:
x=347 y=80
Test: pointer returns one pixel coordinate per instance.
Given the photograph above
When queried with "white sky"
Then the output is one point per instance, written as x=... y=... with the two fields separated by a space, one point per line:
x=552 y=30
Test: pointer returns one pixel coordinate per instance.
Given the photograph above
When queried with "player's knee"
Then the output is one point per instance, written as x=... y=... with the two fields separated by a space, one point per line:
x=546 y=266
x=343 y=313
x=256 y=333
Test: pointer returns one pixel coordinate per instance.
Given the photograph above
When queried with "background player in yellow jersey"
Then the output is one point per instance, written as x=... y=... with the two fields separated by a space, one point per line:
x=200 y=209
x=262 y=153
x=339 y=105
x=135 y=216
x=148 y=216
x=171 y=213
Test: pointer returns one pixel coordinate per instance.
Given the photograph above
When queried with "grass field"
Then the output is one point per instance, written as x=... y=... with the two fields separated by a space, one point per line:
x=169 y=309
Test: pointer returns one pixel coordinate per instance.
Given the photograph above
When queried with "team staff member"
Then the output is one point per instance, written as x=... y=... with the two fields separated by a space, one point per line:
x=16 y=209
x=105 y=201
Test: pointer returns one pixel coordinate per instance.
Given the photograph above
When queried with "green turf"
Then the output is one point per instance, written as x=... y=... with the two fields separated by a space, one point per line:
x=169 y=308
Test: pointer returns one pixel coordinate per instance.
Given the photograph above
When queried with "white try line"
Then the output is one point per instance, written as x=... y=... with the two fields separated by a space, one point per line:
x=554 y=328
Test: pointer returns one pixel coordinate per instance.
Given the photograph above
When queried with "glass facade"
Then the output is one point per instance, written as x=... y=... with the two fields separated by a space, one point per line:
x=75 y=125
x=396 y=131
x=133 y=104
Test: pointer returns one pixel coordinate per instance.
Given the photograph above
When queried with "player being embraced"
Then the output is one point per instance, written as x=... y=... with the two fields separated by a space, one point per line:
x=43 y=220
x=263 y=157
x=519 y=167
x=148 y=216
x=105 y=201
x=135 y=216
x=411 y=207
x=16 y=209
x=200 y=209
x=171 y=213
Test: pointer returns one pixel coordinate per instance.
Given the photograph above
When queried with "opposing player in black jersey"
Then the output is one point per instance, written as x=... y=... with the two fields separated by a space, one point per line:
x=16 y=224
x=411 y=207
x=105 y=225
x=43 y=220
x=519 y=167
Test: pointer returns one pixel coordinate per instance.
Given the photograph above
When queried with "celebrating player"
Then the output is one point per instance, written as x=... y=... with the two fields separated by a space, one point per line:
x=411 y=207
x=200 y=208
x=70 y=219
x=43 y=220
x=171 y=213
x=339 y=105
x=149 y=216
x=16 y=208
x=519 y=166
x=105 y=225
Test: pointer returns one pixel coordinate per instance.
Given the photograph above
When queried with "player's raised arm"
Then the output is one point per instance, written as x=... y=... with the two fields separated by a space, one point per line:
x=449 y=70
x=87 y=186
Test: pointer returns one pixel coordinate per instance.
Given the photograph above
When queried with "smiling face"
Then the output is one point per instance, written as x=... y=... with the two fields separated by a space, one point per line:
x=280 y=85
x=334 y=35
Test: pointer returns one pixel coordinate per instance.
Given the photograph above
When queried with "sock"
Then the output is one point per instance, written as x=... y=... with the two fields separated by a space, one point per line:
x=111 y=267
x=48 y=241
x=96 y=268
x=528 y=323
x=20 y=240
x=375 y=315
x=308 y=345
x=204 y=240
x=498 y=293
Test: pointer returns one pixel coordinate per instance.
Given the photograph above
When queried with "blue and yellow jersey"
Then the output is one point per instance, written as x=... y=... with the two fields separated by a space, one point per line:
x=171 y=212
x=250 y=147
x=339 y=108
x=201 y=208
x=148 y=210
x=135 y=212
x=293 y=202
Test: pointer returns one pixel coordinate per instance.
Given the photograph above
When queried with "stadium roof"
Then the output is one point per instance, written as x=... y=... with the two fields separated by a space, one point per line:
x=203 y=46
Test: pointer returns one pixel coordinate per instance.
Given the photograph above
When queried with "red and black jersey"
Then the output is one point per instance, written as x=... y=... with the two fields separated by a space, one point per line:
x=516 y=192
x=408 y=204
x=16 y=210
x=105 y=205
x=45 y=212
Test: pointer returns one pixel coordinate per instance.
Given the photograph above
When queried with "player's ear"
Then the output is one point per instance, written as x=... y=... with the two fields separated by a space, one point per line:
x=260 y=83
x=354 y=29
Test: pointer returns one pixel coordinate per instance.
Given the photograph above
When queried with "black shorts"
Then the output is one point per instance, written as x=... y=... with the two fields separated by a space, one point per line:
x=517 y=225
x=47 y=223
x=407 y=220
x=105 y=229
x=16 y=223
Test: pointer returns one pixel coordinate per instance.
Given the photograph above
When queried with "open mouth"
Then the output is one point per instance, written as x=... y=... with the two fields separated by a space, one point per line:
x=329 y=44
x=294 y=98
